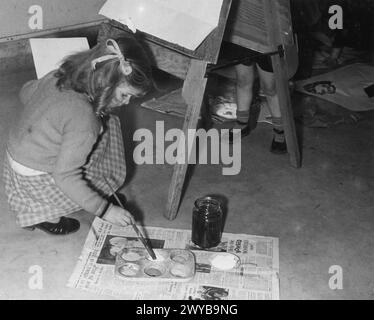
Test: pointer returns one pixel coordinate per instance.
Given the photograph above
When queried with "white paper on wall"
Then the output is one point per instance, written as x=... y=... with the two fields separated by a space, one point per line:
x=186 y=23
x=48 y=53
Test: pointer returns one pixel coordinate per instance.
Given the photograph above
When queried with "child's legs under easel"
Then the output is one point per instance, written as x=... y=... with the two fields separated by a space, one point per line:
x=244 y=93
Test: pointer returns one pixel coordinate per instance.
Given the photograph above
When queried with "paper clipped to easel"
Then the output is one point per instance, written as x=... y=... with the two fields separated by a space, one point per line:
x=185 y=23
x=48 y=53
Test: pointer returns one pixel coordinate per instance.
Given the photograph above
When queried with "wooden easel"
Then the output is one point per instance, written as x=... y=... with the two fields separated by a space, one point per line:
x=191 y=66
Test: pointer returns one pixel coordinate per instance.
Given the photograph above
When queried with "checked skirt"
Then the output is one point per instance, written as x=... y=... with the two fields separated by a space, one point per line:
x=35 y=199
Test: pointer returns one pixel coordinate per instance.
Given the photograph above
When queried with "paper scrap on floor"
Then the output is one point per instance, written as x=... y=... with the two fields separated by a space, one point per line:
x=171 y=103
x=350 y=87
x=48 y=53
x=186 y=23
x=257 y=278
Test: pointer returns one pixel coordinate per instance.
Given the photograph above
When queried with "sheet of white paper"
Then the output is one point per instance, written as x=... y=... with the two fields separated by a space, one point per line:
x=344 y=86
x=186 y=23
x=49 y=53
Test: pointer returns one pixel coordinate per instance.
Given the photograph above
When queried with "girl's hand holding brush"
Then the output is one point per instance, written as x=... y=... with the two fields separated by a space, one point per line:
x=118 y=216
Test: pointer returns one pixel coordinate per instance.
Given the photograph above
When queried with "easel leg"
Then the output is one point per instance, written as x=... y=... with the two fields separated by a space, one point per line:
x=280 y=72
x=193 y=93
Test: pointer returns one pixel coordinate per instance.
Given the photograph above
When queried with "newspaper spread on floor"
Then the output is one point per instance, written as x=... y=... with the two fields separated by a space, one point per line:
x=257 y=277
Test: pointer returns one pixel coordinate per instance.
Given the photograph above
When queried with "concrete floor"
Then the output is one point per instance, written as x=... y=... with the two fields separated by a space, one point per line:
x=321 y=213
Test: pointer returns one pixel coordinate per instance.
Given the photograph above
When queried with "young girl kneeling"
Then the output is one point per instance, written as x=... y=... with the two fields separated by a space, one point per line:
x=65 y=147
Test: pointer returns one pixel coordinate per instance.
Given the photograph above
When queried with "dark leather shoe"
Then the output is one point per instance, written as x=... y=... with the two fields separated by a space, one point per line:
x=278 y=145
x=63 y=227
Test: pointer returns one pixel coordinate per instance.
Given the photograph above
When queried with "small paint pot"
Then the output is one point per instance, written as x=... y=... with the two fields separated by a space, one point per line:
x=181 y=270
x=131 y=256
x=155 y=270
x=179 y=256
x=129 y=269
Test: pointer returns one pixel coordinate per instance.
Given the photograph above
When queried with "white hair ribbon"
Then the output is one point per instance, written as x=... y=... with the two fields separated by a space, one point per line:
x=116 y=53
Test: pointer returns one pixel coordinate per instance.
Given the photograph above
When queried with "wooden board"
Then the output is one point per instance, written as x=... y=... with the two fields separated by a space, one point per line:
x=208 y=50
x=193 y=94
x=281 y=80
x=248 y=26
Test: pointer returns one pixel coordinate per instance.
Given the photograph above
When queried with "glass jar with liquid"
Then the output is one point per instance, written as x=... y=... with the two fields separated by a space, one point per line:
x=207 y=222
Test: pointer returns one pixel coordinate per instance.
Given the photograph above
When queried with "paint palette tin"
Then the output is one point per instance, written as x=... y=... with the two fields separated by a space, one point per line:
x=170 y=265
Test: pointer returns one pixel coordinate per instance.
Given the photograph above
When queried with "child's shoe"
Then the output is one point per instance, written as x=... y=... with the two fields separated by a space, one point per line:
x=63 y=227
x=278 y=145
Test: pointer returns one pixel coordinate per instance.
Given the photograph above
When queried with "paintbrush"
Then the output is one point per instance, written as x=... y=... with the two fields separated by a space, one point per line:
x=137 y=231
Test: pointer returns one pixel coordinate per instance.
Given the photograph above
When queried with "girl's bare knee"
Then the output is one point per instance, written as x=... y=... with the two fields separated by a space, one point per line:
x=269 y=90
x=244 y=81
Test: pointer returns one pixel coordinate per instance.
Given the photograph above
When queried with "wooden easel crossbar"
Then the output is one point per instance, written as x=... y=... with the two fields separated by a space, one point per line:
x=211 y=67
